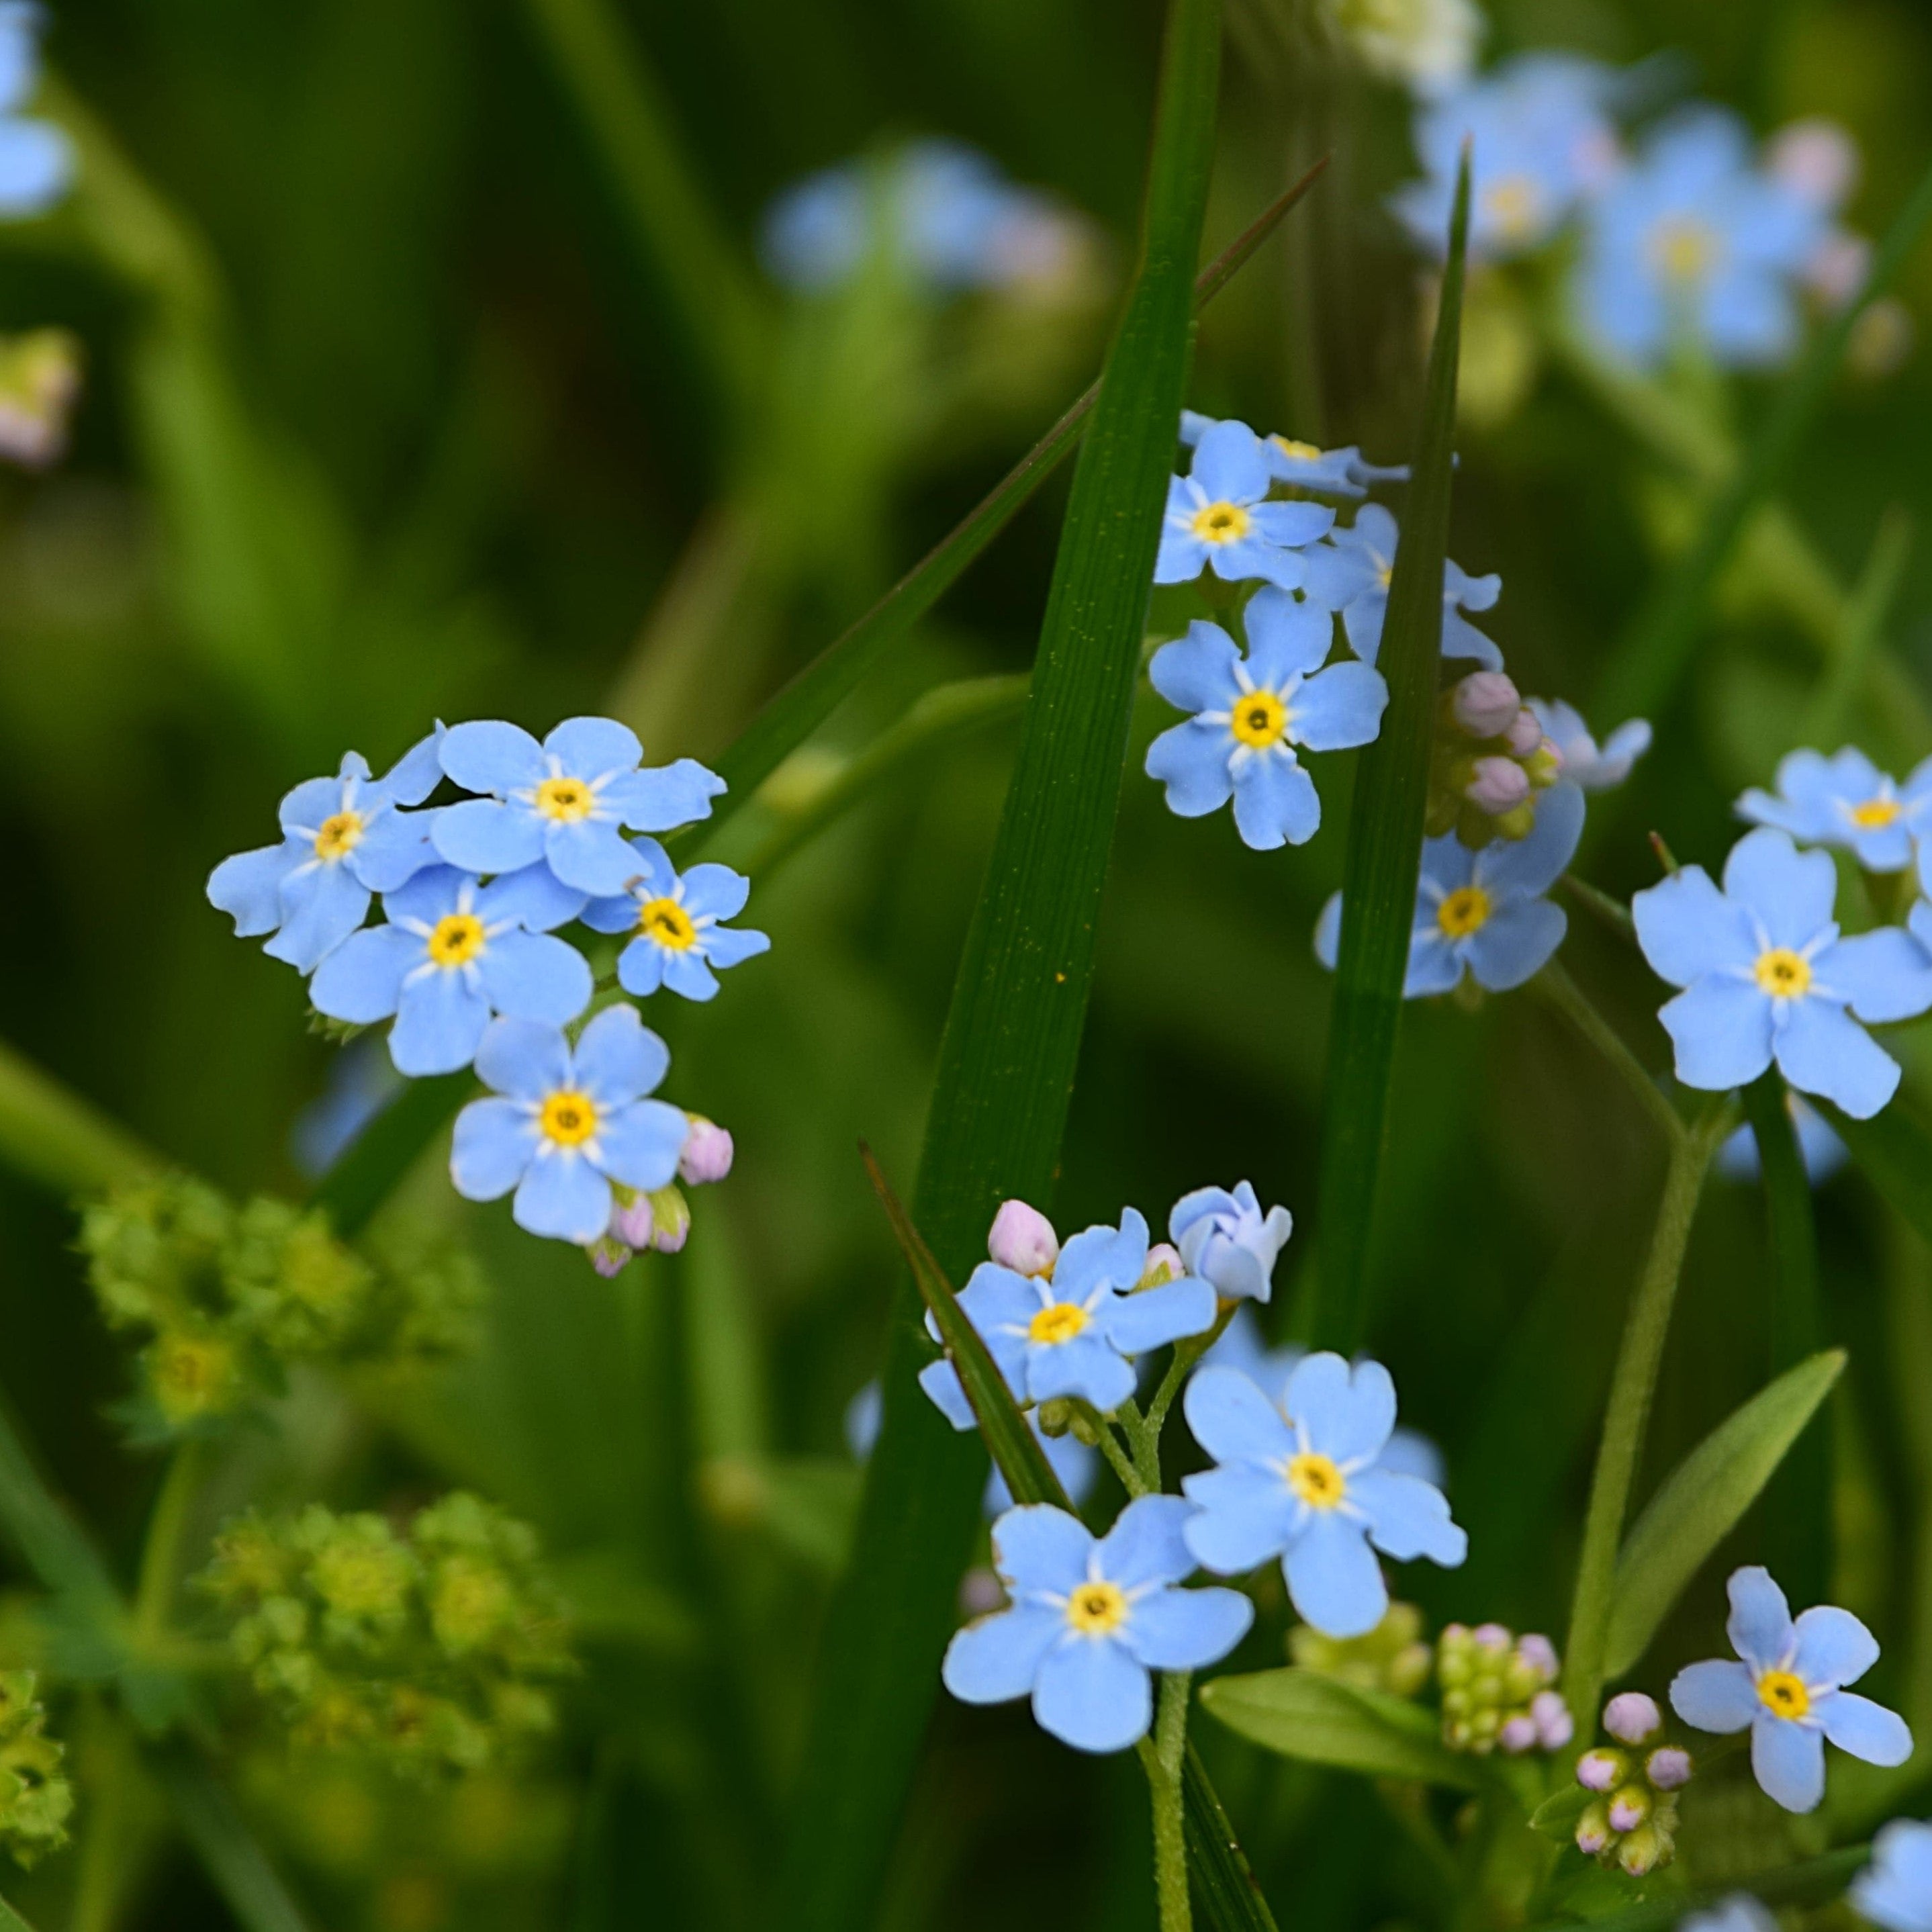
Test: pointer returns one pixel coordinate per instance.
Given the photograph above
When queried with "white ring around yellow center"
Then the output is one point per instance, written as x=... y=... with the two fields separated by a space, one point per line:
x=1059 y=1322
x=668 y=923
x=568 y=1117
x=1784 y=1692
x=565 y=799
x=1317 y=1480
x=1221 y=523
x=456 y=939
x=1510 y=203
x=1094 y=1608
x=338 y=835
x=1783 y=974
x=1259 y=718
x=1463 y=911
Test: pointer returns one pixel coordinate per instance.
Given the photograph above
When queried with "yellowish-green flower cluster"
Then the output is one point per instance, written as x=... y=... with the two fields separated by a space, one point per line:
x=226 y=1296
x=1392 y=1656
x=1496 y=1692
x=35 y=1797
x=434 y=1649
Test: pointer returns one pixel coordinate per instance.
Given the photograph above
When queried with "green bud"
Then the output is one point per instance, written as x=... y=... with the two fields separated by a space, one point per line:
x=1055 y=1416
x=1641 y=1851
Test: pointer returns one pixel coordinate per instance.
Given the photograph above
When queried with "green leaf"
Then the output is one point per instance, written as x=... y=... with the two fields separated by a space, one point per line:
x=1556 y=1816
x=1811 y=1881
x=1385 y=852
x=1893 y=1149
x=49 y=1134
x=10 y=1920
x=1701 y=1501
x=1321 y=1719
x=226 y=1848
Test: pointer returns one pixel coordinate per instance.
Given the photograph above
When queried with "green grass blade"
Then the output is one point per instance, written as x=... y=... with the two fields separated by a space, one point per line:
x=10 y=1920
x=1229 y=1897
x=228 y=1850
x=50 y=1136
x=1007 y=1059
x=1385 y=852
x=362 y=1179
x=1894 y=1151
x=1649 y=663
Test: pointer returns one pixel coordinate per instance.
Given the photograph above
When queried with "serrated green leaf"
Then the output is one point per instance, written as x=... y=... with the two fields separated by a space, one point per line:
x=1384 y=852
x=1893 y=1151
x=1701 y=1500
x=1322 y=1719
x=1556 y=1816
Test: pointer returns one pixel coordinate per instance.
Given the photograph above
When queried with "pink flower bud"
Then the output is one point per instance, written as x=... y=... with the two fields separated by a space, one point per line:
x=1816 y=160
x=1631 y=1717
x=610 y=1258
x=1599 y=1770
x=1669 y=1769
x=1491 y=1637
x=1518 y=1734
x=1554 y=1727
x=1837 y=267
x=981 y=1592
x=1629 y=1808
x=1498 y=786
x=1593 y=1831
x=630 y=1222
x=1525 y=733
x=707 y=1152
x=670 y=1214
x=1163 y=1264
x=1022 y=1239
x=1486 y=703
x=1539 y=1653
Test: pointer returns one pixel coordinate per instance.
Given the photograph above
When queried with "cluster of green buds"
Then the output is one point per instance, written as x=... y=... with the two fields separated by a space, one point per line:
x=433 y=1649
x=36 y=1799
x=1393 y=1657
x=1496 y=1691
x=1489 y=760
x=225 y=1297
x=1631 y=1819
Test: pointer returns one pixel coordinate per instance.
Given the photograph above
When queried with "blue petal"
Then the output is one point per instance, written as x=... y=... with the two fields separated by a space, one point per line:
x=1249 y=557
x=1114 y=1255
x=1286 y=638
x=1246 y=1515
x=1233 y=1420
x=1407 y=1517
x=588 y=853
x=303 y=809
x=1462 y=641
x=1090 y=1693
x=248 y=887
x=590 y=748
x=1687 y=928
x=941 y=1380
x=1155 y=1316
x=491 y=756
x=664 y=797
x=1039 y=1547
x=1290 y=526
x=1145 y=1545
x=1362 y=621
x=687 y=974
x=1191 y=759
x=320 y=909
x=1328 y=932
x=562 y=1195
x=536 y=897
x=1759 y=1626
x=1344 y=1413
x=523 y=1059
x=1334 y=577
x=616 y=914
x=1721 y=1029
x=1833 y=1647
x=1087 y=1366
x=1181 y=558
x=1717 y=1695
x=1196 y=673
x=1333 y=1579
x=998 y=1656
x=714 y=891
x=36 y=165
x=619 y=1057
x=433 y=894
x=531 y=976
x=640 y=1144
x=1339 y=708
x=1886 y=975
x=1865 y=1729
x=640 y=966
x=417 y=772
x=728 y=946
x=438 y=1022
x=1535 y=862
x=1203 y=1204
x=1275 y=802
x=995 y=1298
x=1186 y=1630
x=1821 y=1049
x=1435 y=963
x=362 y=980
x=1788 y=1761
x=1515 y=942
x=483 y=834
x=1229 y=466
x=1791 y=892
x=494 y=1141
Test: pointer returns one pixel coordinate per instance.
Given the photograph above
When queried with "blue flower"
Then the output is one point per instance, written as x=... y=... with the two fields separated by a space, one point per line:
x=453 y=953
x=1740 y=1912
x=1351 y=572
x=1307 y=1482
x=1692 y=240
x=1822 y=1152
x=1895 y=1889
x=1251 y=713
x=1328 y=472
x=679 y=924
x=1483 y=911
x=36 y=157
x=1225 y=1239
x=1766 y=976
x=1788 y=1691
x=342 y=838
x=1846 y=800
x=562 y=801
x=1089 y=1619
x=1218 y=516
x=1581 y=761
x=568 y=1123
x=1074 y=1331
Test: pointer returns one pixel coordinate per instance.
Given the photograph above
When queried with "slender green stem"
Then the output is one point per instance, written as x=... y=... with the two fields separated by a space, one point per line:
x=161 y=1552
x=1611 y=912
x=1162 y=1756
x=1118 y=1460
x=1632 y=1385
x=1186 y=1352
x=99 y=1884
x=50 y=1135
x=1568 y=998
x=1866 y=611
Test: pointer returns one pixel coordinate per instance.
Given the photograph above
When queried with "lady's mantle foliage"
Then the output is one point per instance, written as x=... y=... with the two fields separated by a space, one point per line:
x=1090 y=1617
x=678 y=921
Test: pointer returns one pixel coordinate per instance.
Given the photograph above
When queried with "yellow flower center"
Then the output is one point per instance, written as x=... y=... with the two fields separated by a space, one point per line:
x=456 y=939
x=1221 y=523
x=339 y=835
x=1060 y=1323
x=1784 y=1692
x=569 y=1118
x=1876 y=813
x=667 y=922
x=1463 y=911
x=1094 y=1608
x=1783 y=974
x=564 y=799
x=1683 y=249
x=1302 y=452
x=1259 y=719
x=1315 y=1480
x=1511 y=204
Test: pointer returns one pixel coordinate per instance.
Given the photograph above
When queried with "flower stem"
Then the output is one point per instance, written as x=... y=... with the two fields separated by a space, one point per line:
x=1161 y=1756
x=160 y=1554
x=1569 y=999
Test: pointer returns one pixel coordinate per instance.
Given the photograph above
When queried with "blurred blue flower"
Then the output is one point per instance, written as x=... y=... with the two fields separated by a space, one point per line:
x=1090 y=1618
x=1766 y=975
x=568 y=1122
x=453 y=953
x=1895 y=1890
x=342 y=838
x=1692 y=240
x=1846 y=800
x=1328 y=472
x=1072 y=1462
x=1251 y=713
x=1584 y=763
x=1351 y=572
x=1307 y=1482
x=1740 y=1912
x=1483 y=911
x=1073 y=1332
x=562 y=801
x=1822 y=1152
x=1225 y=1239
x=1788 y=1691
x=678 y=922
x=1218 y=516
x=362 y=1081
x=36 y=157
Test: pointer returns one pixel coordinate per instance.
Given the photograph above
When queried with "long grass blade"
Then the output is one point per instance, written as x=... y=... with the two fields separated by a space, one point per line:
x=1385 y=852
x=50 y=1136
x=228 y=1850
x=1893 y=1151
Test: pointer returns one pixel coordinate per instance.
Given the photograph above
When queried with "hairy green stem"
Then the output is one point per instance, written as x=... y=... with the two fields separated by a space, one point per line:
x=1569 y=999
x=1162 y=1756
x=1611 y=912
x=1118 y=1460
x=161 y=1552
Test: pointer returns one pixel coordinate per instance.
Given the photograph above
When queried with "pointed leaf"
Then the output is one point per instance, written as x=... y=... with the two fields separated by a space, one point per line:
x=1556 y=1816
x=1321 y=1719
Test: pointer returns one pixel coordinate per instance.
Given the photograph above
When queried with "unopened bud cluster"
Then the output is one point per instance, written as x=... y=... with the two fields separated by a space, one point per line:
x=1392 y=1656
x=1490 y=759
x=1632 y=1821
x=36 y=1799
x=1496 y=1693
x=660 y=1217
x=432 y=1648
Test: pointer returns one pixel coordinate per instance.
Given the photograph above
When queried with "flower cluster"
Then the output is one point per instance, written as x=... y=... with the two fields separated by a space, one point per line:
x=434 y=1649
x=1496 y=1691
x=36 y=1800
x=1630 y=1818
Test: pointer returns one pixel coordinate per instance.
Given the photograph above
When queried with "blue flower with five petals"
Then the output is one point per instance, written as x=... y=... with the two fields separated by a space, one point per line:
x=1225 y=1239
x=342 y=838
x=1788 y=1691
x=1218 y=516
x=1818 y=1147
x=1766 y=976
x=453 y=953
x=1328 y=472
x=563 y=801
x=1583 y=762
x=1250 y=713
x=1350 y=572
x=1895 y=1890
x=678 y=922
x=1306 y=1482
x=564 y=1124
x=1846 y=800
x=1090 y=1618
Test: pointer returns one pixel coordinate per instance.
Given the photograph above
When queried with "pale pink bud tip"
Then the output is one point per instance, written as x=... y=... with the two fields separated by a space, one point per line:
x=707 y=1152
x=670 y=1216
x=633 y=1226
x=1597 y=1771
x=1518 y=1734
x=609 y=1258
x=1499 y=785
x=980 y=1592
x=1631 y=1717
x=1486 y=703
x=1628 y=1810
x=1022 y=1239
x=1669 y=1769
x=1524 y=734
x=1163 y=1264
x=1538 y=1652
x=1491 y=1637
x=1554 y=1727
x=1592 y=1836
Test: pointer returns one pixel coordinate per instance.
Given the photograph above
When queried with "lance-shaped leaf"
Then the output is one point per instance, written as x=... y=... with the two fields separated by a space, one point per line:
x=1893 y=1151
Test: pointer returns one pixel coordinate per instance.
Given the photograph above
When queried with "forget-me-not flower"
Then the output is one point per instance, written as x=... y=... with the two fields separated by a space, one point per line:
x=1482 y=912
x=342 y=838
x=36 y=157
x=678 y=922
x=1351 y=572
x=1740 y=1912
x=1225 y=1239
x=1846 y=800
x=562 y=801
x=454 y=953
x=1818 y=1147
x=1895 y=1890
x=1218 y=516
x=564 y=1124
x=1583 y=761
x=1788 y=1691
x=1328 y=472
x=1075 y=1330
x=1090 y=1618
x=1251 y=713
x=1307 y=1482
x=1766 y=976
